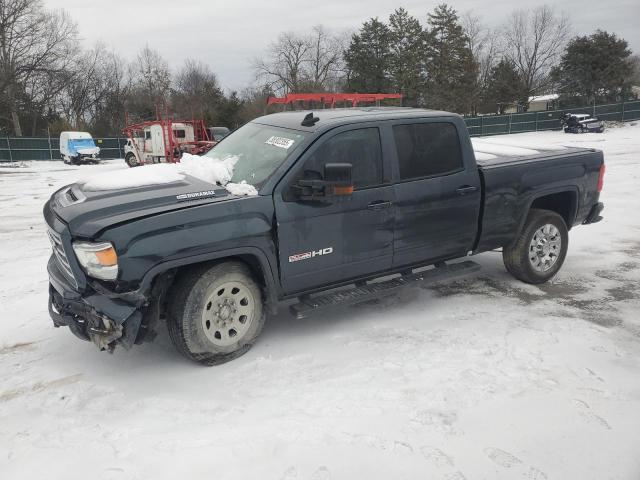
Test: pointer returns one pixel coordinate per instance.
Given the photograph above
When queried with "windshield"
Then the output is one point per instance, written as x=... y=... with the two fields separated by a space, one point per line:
x=260 y=150
x=81 y=142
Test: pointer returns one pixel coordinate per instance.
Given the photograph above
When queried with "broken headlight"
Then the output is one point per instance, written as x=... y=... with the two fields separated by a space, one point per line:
x=99 y=260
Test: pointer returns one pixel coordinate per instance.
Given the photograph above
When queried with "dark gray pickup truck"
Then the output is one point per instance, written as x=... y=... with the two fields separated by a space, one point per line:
x=344 y=197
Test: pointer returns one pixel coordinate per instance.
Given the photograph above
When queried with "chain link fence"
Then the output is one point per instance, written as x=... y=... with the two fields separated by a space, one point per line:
x=548 y=119
x=16 y=149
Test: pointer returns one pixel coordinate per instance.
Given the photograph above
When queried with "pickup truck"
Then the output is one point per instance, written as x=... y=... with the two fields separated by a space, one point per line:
x=351 y=204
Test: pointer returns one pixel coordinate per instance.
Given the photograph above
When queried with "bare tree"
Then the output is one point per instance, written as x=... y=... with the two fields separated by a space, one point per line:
x=484 y=43
x=296 y=63
x=118 y=84
x=151 y=80
x=325 y=59
x=33 y=41
x=84 y=87
x=41 y=90
x=534 y=41
x=197 y=92
x=635 y=69
x=283 y=68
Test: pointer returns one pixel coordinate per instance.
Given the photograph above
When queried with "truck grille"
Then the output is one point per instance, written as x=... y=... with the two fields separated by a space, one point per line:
x=61 y=257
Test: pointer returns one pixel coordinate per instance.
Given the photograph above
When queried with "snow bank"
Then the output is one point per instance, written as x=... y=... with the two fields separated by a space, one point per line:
x=212 y=170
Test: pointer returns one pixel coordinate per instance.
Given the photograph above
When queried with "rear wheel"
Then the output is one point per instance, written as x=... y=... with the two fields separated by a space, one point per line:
x=540 y=249
x=215 y=313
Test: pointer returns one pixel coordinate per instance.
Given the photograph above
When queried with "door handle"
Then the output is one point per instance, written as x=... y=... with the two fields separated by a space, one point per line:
x=466 y=189
x=379 y=205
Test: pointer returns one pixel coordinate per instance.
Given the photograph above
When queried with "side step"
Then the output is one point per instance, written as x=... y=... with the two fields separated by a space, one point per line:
x=361 y=293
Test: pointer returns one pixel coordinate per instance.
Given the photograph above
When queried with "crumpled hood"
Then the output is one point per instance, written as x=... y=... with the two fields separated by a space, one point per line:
x=88 y=150
x=89 y=212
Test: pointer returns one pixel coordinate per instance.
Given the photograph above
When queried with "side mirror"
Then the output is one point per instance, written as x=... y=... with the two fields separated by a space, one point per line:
x=337 y=182
x=337 y=178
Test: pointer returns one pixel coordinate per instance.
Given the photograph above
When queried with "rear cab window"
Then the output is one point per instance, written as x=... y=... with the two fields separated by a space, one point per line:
x=427 y=149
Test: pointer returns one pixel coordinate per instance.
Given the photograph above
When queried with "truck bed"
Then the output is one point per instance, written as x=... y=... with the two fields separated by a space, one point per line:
x=501 y=152
x=512 y=175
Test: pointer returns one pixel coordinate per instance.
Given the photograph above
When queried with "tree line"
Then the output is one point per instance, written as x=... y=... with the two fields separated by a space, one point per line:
x=454 y=62
x=50 y=83
x=447 y=60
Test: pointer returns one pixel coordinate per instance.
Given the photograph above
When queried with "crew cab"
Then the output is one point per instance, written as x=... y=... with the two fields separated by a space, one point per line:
x=352 y=203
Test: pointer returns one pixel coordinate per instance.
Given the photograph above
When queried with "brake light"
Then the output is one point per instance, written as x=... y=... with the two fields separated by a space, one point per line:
x=600 y=178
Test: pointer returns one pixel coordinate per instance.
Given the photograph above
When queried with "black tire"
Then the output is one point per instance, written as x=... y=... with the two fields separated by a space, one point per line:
x=516 y=257
x=131 y=160
x=188 y=304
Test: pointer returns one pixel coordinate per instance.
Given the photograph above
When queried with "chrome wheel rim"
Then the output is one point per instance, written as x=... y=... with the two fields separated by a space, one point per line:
x=228 y=313
x=545 y=247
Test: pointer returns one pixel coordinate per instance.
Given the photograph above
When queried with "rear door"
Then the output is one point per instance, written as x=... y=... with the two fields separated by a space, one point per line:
x=157 y=141
x=437 y=195
x=321 y=243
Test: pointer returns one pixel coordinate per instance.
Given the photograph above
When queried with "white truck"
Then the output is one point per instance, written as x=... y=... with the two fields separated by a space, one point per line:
x=77 y=148
x=163 y=141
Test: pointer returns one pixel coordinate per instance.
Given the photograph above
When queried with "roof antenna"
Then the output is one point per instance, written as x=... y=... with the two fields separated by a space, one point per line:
x=309 y=120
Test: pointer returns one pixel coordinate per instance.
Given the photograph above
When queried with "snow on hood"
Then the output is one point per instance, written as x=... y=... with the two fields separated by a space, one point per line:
x=208 y=169
x=242 y=188
x=157 y=174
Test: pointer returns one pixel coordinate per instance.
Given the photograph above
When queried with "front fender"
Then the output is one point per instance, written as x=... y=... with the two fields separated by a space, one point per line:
x=256 y=256
x=148 y=246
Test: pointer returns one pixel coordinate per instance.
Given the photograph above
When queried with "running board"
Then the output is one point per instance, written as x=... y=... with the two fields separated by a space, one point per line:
x=360 y=293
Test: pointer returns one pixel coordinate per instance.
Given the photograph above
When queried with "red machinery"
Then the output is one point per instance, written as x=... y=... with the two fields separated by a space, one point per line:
x=165 y=139
x=330 y=99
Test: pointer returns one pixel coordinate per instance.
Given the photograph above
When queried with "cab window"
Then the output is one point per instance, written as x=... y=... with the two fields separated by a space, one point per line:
x=360 y=148
x=427 y=149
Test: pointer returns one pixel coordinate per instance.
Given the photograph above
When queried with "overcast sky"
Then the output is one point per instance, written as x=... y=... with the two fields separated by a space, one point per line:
x=227 y=35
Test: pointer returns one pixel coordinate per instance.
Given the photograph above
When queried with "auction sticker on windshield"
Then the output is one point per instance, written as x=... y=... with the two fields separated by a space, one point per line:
x=281 y=142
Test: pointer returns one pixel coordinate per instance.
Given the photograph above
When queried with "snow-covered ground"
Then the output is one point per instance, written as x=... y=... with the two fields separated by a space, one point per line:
x=484 y=378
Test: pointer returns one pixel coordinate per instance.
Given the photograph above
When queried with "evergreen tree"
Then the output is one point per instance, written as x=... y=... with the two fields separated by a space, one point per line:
x=451 y=69
x=368 y=59
x=597 y=67
x=505 y=87
x=407 y=46
x=230 y=111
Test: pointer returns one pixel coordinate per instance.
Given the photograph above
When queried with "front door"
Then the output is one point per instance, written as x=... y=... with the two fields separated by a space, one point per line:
x=321 y=243
x=437 y=195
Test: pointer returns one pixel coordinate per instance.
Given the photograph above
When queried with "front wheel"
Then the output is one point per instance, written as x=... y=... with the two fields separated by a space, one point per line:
x=215 y=313
x=540 y=249
x=131 y=160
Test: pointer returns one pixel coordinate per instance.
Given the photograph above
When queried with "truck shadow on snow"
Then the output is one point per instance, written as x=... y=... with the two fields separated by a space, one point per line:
x=591 y=299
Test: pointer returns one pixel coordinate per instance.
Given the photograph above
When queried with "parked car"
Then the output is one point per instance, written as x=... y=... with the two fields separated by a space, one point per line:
x=581 y=123
x=77 y=148
x=345 y=197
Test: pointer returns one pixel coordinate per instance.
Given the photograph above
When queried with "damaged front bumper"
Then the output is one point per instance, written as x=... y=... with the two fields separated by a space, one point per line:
x=93 y=316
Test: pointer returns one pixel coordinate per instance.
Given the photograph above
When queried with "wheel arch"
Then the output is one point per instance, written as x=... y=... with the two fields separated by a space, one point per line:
x=563 y=201
x=254 y=258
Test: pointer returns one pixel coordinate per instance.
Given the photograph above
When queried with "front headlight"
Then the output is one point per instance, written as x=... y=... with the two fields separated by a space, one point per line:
x=99 y=260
